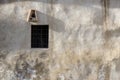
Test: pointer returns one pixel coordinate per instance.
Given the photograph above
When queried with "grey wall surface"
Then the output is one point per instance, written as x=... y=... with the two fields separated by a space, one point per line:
x=84 y=38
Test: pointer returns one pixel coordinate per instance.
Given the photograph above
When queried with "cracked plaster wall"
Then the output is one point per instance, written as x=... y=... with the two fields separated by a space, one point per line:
x=84 y=40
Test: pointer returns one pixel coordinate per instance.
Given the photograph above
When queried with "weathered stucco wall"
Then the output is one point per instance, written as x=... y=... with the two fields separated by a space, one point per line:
x=84 y=40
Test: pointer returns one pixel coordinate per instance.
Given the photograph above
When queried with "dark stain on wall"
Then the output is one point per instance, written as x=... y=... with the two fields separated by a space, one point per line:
x=113 y=33
x=108 y=35
x=105 y=7
x=107 y=74
x=117 y=64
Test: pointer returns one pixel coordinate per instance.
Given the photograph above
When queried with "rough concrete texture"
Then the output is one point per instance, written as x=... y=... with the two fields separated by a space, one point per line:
x=84 y=40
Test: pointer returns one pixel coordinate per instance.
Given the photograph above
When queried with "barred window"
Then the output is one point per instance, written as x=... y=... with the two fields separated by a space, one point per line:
x=39 y=36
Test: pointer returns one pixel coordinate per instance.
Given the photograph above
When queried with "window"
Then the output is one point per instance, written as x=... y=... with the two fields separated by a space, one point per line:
x=32 y=16
x=39 y=36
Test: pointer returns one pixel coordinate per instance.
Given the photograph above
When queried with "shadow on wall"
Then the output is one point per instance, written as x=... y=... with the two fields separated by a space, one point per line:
x=55 y=24
x=15 y=34
x=113 y=3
